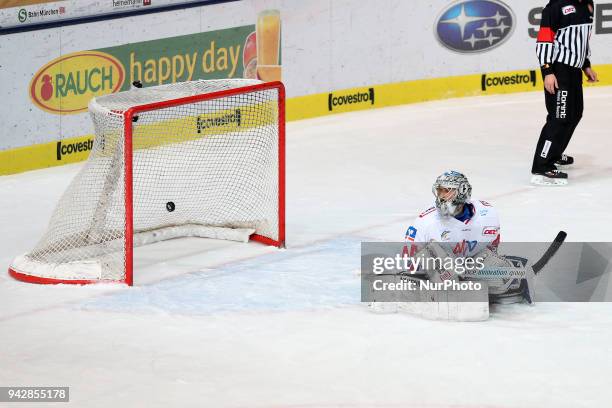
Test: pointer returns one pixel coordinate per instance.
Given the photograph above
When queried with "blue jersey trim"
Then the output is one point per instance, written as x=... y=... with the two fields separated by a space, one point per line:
x=467 y=214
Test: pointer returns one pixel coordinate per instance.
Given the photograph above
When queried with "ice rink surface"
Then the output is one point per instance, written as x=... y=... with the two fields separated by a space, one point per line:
x=222 y=324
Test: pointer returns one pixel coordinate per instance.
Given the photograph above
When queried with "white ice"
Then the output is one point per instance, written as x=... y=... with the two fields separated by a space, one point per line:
x=224 y=324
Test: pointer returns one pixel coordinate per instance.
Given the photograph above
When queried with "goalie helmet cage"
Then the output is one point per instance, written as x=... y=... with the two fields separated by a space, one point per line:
x=200 y=158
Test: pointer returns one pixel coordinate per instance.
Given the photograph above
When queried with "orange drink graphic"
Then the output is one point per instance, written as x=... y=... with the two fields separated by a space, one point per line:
x=268 y=45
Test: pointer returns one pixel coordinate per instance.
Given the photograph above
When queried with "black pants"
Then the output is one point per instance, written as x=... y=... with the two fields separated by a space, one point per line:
x=564 y=113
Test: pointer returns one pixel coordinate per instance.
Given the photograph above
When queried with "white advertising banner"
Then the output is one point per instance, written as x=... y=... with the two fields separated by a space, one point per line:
x=49 y=75
x=19 y=13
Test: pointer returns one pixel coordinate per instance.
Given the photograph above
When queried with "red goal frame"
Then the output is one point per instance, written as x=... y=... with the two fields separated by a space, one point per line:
x=128 y=177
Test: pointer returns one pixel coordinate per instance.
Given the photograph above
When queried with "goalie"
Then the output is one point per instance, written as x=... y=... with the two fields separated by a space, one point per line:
x=463 y=228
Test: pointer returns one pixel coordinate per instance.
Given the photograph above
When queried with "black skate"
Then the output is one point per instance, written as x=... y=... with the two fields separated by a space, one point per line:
x=565 y=161
x=549 y=178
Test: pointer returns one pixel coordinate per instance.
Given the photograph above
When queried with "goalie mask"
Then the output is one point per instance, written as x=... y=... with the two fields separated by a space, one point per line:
x=451 y=189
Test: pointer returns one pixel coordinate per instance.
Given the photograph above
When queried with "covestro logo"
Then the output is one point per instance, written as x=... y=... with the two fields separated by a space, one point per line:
x=67 y=84
x=233 y=119
x=505 y=80
x=64 y=149
x=335 y=100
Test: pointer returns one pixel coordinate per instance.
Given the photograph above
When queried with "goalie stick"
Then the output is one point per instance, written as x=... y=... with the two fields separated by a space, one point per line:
x=521 y=272
x=550 y=252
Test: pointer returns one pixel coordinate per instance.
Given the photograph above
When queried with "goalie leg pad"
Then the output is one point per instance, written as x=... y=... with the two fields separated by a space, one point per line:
x=459 y=306
x=450 y=305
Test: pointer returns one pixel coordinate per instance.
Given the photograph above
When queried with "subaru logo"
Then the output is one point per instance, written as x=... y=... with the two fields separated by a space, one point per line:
x=475 y=25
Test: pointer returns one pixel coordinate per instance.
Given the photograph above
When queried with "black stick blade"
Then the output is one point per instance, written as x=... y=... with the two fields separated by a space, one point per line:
x=550 y=252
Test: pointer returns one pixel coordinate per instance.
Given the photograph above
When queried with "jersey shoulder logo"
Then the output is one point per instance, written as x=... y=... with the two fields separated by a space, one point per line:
x=490 y=231
x=427 y=212
x=568 y=10
x=411 y=233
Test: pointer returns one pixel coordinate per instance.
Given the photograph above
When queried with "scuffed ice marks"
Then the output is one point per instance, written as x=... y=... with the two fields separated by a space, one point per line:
x=319 y=276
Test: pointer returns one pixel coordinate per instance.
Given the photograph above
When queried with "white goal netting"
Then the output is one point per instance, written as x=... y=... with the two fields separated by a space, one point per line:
x=206 y=167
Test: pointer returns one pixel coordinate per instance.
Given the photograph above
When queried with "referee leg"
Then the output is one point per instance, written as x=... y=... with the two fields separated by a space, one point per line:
x=577 y=106
x=561 y=121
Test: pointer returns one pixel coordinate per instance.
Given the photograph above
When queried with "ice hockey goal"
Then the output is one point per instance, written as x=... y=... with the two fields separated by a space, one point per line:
x=201 y=158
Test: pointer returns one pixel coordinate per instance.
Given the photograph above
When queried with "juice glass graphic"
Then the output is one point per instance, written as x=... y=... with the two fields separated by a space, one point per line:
x=268 y=45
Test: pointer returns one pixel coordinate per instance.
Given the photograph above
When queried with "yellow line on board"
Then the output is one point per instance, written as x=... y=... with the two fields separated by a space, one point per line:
x=310 y=106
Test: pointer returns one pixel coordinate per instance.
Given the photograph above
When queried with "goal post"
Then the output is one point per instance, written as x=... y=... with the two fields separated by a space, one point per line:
x=200 y=158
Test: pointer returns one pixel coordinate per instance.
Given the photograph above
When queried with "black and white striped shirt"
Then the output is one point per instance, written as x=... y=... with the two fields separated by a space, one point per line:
x=564 y=34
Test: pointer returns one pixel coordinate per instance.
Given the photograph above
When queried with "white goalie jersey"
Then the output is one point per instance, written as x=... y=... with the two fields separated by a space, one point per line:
x=467 y=238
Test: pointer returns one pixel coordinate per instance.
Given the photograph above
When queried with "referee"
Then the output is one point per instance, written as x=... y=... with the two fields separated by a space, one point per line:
x=563 y=51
